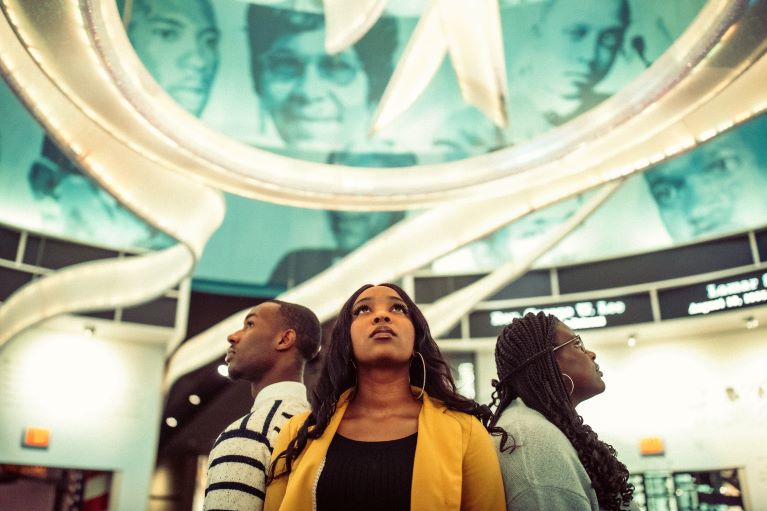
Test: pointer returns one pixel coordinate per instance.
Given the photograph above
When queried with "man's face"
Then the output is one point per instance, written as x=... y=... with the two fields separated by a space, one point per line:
x=713 y=189
x=251 y=352
x=315 y=99
x=528 y=233
x=353 y=228
x=178 y=43
x=466 y=133
x=576 y=47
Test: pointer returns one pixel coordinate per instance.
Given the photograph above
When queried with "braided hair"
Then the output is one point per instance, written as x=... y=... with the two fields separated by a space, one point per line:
x=527 y=369
x=338 y=374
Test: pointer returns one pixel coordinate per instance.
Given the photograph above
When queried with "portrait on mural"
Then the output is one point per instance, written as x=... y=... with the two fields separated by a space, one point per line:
x=350 y=229
x=316 y=102
x=178 y=44
x=568 y=52
x=716 y=188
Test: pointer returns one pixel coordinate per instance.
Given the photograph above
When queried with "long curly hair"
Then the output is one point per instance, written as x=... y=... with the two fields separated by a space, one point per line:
x=338 y=374
x=527 y=369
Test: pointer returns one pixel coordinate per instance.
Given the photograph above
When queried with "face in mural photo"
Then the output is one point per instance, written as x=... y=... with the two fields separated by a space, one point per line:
x=177 y=41
x=316 y=100
x=572 y=48
x=716 y=188
x=464 y=133
x=351 y=229
x=526 y=234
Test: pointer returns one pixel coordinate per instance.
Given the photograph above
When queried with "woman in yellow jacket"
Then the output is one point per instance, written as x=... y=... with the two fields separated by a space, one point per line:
x=387 y=429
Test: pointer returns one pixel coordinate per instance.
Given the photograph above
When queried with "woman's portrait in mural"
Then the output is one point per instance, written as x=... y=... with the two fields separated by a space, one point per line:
x=177 y=41
x=316 y=101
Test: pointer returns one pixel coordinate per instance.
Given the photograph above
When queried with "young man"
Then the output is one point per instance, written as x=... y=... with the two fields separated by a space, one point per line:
x=269 y=351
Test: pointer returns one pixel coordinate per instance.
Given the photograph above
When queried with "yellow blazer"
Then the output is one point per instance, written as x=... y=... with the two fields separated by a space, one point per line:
x=455 y=467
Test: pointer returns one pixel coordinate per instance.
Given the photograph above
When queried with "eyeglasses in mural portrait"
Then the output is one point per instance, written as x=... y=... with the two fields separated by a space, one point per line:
x=316 y=100
x=277 y=88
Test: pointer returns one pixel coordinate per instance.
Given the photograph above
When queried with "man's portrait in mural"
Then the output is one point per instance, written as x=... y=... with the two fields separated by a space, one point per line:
x=715 y=188
x=178 y=43
x=569 y=51
x=466 y=132
x=317 y=102
x=350 y=229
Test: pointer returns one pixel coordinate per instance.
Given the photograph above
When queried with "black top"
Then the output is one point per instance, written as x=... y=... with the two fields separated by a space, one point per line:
x=367 y=476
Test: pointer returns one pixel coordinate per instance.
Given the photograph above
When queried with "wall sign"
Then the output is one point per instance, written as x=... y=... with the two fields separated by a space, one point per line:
x=580 y=315
x=739 y=291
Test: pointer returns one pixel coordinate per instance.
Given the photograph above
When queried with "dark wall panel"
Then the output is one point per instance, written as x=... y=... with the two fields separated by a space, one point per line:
x=55 y=254
x=665 y=264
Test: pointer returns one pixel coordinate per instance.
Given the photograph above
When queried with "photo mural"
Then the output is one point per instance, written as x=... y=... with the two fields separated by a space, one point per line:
x=257 y=72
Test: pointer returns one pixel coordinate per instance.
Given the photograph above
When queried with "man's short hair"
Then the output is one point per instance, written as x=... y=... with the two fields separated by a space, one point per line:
x=305 y=323
x=375 y=49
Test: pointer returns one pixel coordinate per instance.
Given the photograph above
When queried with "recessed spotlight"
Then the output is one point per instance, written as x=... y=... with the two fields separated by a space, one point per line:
x=631 y=341
x=194 y=399
x=223 y=370
x=171 y=422
x=751 y=322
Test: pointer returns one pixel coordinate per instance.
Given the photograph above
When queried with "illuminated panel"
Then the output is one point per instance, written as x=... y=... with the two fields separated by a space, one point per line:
x=651 y=446
x=736 y=292
x=580 y=315
x=38 y=438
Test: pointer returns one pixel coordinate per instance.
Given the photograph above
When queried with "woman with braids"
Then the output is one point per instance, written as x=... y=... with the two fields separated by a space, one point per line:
x=550 y=459
x=387 y=429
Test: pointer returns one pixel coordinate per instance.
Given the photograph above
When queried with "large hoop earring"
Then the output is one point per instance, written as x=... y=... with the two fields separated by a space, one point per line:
x=423 y=364
x=572 y=383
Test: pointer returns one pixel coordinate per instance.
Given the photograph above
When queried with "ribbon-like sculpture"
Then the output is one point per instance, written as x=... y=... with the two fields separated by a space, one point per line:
x=467 y=30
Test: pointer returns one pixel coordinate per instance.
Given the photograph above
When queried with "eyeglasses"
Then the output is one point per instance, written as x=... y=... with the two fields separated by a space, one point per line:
x=578 y=344
x=289 y=66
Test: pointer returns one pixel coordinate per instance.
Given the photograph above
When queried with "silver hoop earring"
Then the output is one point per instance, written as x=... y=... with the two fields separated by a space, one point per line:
x=423 y=364
x=572 y=383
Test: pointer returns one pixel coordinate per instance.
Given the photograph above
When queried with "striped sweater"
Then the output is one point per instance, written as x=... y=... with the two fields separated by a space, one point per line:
x=241 y=454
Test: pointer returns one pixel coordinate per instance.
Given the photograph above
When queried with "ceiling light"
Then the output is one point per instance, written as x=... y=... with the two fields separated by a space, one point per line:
x=631 y=341
x=751 y=322
x=223 y=370
x=171 y=422
x=194 y=399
